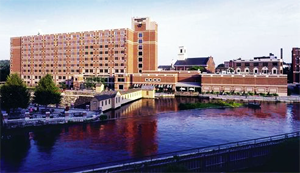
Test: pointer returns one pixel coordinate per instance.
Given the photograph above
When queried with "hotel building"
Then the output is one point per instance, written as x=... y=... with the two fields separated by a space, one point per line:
x=296 y=65
x=102 y=53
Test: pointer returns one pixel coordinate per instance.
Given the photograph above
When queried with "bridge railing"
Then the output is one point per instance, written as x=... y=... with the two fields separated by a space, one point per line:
x=171 y=155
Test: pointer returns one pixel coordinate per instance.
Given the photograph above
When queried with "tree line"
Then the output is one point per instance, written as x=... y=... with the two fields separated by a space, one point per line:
x=15 y=94
x=4 y=69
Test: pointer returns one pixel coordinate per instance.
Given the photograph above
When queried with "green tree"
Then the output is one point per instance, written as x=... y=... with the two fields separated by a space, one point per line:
x=91 y=82
x=46 y=92
x=4 y=69
x=14 y=93
x=202 y=69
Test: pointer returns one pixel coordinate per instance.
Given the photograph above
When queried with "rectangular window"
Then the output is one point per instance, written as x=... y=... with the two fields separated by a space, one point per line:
x=140 y=59
x=255 y=64
x=140 y=47
x=275 y=63
x=265 y=64
x=140 y=41
x=247 y=64
x=140 y=34
x=238 y=64
x=140 y=53
x=140 y=65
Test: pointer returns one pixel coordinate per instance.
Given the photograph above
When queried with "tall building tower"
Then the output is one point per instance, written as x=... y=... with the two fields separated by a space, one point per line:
x=296 y=65
x=78 y=55
x=144 y=44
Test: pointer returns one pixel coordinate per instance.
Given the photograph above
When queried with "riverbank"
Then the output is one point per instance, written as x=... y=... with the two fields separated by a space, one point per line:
x=217 y=104
x=285 y=99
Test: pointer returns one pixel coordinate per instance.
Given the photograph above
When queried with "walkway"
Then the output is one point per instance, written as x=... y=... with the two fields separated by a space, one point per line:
x=288 y=99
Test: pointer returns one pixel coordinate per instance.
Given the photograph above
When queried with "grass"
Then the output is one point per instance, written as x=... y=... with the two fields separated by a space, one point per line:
x=217 y=104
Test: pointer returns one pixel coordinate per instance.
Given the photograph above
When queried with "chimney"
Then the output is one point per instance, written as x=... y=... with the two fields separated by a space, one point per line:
x=281 y=53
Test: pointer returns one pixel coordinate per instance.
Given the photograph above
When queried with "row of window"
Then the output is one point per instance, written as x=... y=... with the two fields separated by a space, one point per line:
x=152 y=80
x=255 y=70
x=107 y=33
x=41 y=47
x=256 y=64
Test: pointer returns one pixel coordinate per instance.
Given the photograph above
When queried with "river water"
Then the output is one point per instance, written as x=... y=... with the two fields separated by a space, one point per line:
x=144 y=127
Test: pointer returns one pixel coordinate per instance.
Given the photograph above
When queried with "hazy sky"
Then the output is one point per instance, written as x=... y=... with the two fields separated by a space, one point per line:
x=224 y=29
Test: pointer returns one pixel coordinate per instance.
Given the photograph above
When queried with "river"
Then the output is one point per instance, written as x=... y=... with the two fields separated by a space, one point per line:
x=144 y=127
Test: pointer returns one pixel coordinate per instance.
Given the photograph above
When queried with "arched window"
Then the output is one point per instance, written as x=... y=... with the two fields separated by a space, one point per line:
x=274 y=70
x=246 y=70
x=238 y=70
x=255 y=70
x=265 y=70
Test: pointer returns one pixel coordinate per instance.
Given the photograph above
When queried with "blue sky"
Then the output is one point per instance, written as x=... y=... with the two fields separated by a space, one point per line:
x=224 y=29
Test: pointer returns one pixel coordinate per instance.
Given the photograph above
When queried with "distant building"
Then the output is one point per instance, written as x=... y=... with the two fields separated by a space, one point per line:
x=164 y=67
x=184 y=63
x=221 y=69
x=296 y=65
x=258 y=65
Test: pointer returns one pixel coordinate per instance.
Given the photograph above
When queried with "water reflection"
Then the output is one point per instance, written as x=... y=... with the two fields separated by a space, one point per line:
x=143 y=127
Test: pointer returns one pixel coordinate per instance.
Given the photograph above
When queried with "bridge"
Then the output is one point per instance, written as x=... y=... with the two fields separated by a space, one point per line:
x=231 y=156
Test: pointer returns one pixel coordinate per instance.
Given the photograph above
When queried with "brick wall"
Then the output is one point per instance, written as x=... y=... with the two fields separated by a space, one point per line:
x=247 y=83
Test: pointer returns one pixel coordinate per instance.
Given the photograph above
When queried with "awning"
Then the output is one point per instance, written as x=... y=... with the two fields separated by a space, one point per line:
x=188 y=84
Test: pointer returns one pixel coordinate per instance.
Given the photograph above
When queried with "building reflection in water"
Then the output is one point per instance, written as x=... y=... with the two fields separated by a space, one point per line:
x=133 y=133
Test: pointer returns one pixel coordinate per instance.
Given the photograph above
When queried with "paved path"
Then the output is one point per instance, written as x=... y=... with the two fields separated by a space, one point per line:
x=289 y=99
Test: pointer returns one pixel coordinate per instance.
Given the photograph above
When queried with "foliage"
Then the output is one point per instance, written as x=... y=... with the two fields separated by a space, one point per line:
x=231 y=70
x=14 y=93
x=221 y=65
x=250 y=93
x=46 y=92
x=202 y=69
x=216 y=104
x=63 y=85
x=4 y=69
x=103 y=117
x=92 y=81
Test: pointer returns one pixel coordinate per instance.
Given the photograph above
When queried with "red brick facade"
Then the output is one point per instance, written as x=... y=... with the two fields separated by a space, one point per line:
x=245 y=83
x=91 y=53
x=296 y=65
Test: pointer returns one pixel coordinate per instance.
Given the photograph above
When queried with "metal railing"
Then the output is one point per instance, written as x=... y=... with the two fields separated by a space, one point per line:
x=182 y=153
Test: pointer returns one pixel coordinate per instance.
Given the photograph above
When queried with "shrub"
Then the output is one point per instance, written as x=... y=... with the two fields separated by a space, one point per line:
x=275 y=94
x=103 y=117
x=250 y=93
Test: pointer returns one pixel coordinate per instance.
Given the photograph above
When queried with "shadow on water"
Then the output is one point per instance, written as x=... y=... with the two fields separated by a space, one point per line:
x=14 y=149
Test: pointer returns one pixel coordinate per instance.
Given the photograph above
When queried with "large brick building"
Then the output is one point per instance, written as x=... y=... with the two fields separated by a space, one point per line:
x=296 y=65
x=244 y=83
x=258 y=65
x=95 y=53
